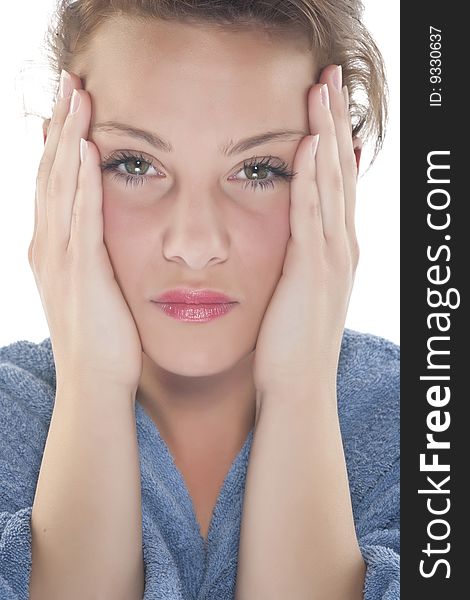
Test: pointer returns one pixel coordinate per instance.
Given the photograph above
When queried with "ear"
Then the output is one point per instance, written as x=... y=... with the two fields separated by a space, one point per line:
x=45 y=127
x=357 y=146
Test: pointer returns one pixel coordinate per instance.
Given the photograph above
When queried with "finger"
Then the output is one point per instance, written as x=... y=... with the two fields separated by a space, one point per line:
x=45 y=125
x=37 y=218
x=86 y=228
x=339 y=106
x=62 y=184
x=57 y=120
x=305 y=204
x=329 y=175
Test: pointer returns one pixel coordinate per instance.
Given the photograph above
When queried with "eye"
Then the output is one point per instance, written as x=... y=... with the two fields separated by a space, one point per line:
x=260 y=169
x=137 y=164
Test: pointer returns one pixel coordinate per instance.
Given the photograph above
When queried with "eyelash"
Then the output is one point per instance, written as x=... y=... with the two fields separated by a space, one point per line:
x=280 y=171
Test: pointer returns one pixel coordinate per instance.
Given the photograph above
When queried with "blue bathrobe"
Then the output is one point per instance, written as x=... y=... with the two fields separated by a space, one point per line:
x=179 y=565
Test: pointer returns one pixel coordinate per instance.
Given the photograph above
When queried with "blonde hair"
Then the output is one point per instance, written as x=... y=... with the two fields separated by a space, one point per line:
x=332 y=27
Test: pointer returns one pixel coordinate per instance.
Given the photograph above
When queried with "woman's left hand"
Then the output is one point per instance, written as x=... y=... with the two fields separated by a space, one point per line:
x=300 y=337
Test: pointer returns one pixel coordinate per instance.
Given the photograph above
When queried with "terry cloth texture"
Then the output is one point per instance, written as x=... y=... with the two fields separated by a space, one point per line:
x=179 y=565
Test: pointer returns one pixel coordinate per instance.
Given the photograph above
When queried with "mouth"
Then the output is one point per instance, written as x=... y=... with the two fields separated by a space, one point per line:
x=195 y=312
x=193 y=297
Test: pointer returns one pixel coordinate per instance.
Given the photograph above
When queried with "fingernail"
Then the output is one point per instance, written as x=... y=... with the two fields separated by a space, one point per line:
x=314 y=146
x=65 y=84
x=83 y=149
x=346 y=96
x=325 y=98
x=75 y=102
x=338 y=78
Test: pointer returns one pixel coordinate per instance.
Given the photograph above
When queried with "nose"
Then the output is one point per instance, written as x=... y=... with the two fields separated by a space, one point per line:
x=197 y=233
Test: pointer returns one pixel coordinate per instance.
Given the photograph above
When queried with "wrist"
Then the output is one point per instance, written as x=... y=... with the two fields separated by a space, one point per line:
x=301 y=384
x=83 y=386
x=316 y=390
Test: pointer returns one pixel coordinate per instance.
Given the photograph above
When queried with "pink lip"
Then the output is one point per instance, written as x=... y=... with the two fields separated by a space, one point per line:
x=193 y=296
x=194 y=305
x=195 y=312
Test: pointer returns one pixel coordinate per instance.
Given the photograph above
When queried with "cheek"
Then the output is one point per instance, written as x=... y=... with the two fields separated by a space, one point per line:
x=123 y=240
x=262 y=245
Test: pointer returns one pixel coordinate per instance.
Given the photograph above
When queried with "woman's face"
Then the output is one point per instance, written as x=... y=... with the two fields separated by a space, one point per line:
x=194 y=218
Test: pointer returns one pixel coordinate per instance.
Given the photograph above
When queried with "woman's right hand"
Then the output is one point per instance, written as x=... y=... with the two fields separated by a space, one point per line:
x=92 y=330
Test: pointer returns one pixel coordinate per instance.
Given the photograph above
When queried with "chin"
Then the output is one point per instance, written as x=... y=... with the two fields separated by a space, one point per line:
x=197 y=360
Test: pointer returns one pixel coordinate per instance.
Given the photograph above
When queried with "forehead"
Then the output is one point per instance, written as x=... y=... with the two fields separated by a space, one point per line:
x=198 y=72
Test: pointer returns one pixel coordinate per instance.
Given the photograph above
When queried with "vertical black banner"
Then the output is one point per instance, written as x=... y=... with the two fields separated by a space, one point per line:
x=435 y=267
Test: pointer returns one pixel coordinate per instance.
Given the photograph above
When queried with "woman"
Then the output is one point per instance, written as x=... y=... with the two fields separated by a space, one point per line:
x=200 y=424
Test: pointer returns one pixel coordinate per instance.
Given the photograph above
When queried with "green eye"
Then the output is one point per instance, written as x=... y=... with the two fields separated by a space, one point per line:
x=137 y=173
x=256 y=170
x=141 y=166
x=259 y=169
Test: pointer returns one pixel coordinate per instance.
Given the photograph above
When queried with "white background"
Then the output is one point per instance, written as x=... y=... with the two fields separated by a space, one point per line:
x=374 y=305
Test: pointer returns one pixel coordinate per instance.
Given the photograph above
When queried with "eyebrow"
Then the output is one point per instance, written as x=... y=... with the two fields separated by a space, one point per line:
x=229 y=149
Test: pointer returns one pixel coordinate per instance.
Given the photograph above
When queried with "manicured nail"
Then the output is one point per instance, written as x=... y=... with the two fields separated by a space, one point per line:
x=338 y=77
x=65 y=84
x=75 y=102
x=83 y=149
x=315 y=139
x=325 y=98
x=346 y=96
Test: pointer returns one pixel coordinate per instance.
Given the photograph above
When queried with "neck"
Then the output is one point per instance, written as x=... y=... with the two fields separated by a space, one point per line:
x=200 y=417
